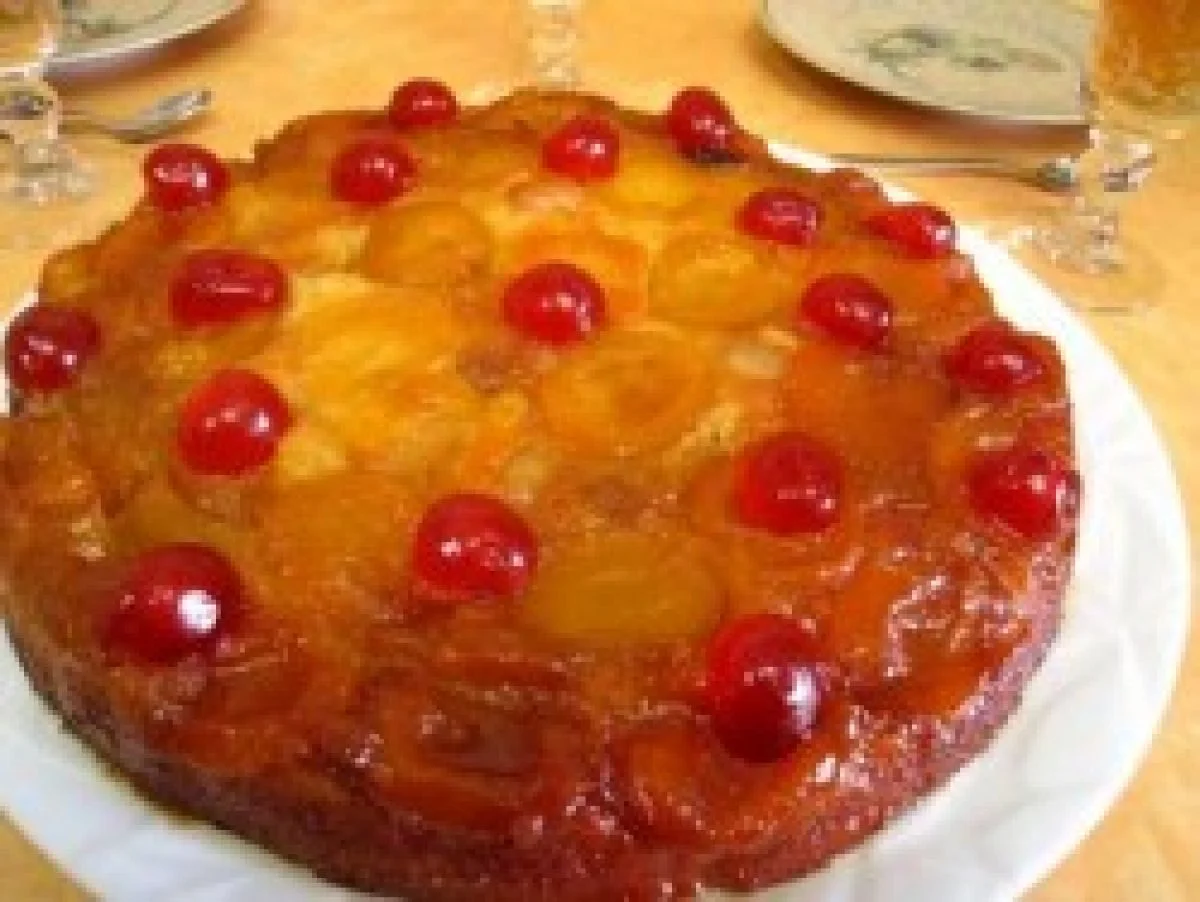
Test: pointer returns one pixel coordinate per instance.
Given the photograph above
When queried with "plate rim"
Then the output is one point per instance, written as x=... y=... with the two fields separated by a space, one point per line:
x=769 y=23
x=142 y=39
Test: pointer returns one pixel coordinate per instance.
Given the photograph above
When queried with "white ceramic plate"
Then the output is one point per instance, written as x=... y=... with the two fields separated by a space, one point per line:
x=1015 y=60
x=105 y=31
x=994 y=830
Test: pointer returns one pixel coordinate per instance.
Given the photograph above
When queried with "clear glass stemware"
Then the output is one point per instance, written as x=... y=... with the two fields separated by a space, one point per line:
x=552 y=43
x=41 y=168
x=1141 y=93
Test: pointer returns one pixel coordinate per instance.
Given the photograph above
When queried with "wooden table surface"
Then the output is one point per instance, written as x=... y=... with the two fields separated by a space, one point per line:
x=278 y=59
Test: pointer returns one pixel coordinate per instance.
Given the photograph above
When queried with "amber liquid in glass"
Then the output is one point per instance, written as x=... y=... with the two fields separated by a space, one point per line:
x=1146 y=64
x=26 y=34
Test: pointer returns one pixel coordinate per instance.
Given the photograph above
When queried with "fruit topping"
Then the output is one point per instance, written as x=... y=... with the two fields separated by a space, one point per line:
x=624 y=588
x=556 y=303
x=920 y=231
x=787 y=484
x=216 y=287
x=179 y=176
x=372 y=171
x=849 y=309
x=231 y=424
x=717 y=281
x=631 y=392
x=653 y=179
x=47 y=346
x=764 y=689
x=1027 y=489
x=432 y=243
x=782 y=215
x=993 y=359
x=176 y=600
x=865 y=409
x=618 y=263
x=585 y=149
x=471 y=547
x=701 y=125
x=421 y=103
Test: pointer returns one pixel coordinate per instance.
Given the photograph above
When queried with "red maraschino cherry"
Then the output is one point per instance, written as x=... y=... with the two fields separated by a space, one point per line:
x=472 y=547
x=176 y=600
x=1029 y=490
x=231 y=424
x=920 y=231
x=763 y=686
x=182 y=176
x=218 y=287
x=555 y=303
x=372 y=171
x=782 y=215
x=584 y=149
x=422 y=103
x=787 y=484
x=48 y=345
x=702 y=126
x=849 y=309
x=993 y=359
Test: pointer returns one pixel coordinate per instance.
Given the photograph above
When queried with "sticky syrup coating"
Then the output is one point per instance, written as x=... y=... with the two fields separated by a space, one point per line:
x=558 y=744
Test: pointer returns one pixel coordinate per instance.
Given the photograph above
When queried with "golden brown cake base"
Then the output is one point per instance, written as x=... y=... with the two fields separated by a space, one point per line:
x=317 y=820
x=529 y=749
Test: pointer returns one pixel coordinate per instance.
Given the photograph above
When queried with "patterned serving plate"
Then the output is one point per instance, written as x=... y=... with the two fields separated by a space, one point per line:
x=1012 y=60
x=99 y=32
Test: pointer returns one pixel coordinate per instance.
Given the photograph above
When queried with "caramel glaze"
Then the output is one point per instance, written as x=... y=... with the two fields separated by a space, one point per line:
x=502 y=751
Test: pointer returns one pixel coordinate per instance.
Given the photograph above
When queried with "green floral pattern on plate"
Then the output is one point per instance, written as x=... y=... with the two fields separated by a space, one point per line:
x=88 y=20
x=899 y=49
x=1017 y=60
x=101 y=32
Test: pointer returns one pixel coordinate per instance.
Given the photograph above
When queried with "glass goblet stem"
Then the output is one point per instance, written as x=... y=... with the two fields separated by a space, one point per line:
x=1087 y=235
x=552 y=42
x=29 y=117
x=42 y=167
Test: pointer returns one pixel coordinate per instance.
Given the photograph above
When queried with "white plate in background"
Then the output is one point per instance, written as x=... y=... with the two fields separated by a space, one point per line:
x=1012 y=60
x=106 y=31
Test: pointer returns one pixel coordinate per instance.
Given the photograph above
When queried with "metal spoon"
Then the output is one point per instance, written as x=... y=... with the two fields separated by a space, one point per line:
x=158 y=119
x=1057 y=174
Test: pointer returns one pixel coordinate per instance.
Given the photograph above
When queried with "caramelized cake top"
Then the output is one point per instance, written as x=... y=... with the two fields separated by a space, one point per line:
x=543 y=470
